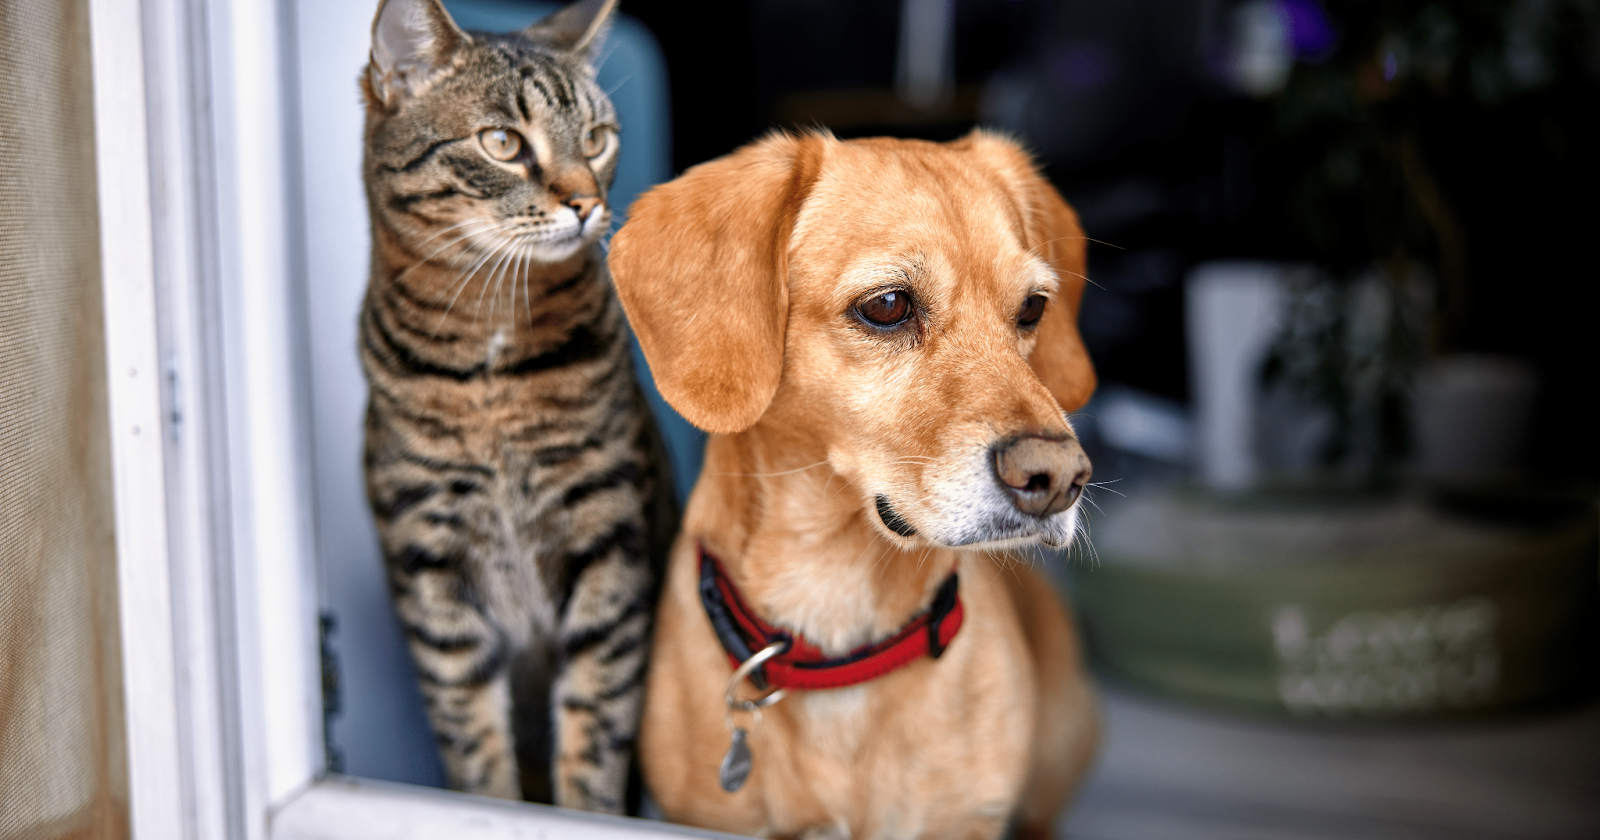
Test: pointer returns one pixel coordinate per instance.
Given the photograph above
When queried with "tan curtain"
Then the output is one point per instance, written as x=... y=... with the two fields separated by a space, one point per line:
x=63 y=769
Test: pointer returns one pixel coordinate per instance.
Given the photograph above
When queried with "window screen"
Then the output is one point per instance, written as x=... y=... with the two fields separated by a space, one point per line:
x=63 y=772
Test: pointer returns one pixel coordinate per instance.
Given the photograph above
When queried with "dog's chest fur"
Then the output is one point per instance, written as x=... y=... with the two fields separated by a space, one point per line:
x=909 y=752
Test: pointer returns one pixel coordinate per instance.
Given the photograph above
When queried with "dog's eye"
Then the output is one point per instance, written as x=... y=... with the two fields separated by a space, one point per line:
x=500 y=143
x=887 y=309
x=1032 y=310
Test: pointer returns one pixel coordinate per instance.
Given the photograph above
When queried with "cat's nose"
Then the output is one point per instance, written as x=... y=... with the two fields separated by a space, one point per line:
x=583 y=205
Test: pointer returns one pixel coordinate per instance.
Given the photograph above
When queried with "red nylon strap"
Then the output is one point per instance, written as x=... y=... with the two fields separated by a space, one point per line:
x=803 y=665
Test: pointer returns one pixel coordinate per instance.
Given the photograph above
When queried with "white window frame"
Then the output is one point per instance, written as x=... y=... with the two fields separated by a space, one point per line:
x=209 y=398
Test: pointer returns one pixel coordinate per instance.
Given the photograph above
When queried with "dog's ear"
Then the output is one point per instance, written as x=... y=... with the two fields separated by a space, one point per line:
x=1059 y=358
x=702 y=270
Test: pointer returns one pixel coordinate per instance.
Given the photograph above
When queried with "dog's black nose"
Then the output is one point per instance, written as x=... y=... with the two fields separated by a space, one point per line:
x=1041 y=476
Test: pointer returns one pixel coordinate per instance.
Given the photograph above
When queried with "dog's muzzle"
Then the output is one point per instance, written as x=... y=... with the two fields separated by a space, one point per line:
x=1040 y=476
x=892 y=519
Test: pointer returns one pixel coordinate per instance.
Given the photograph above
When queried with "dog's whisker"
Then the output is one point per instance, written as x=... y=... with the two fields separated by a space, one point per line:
x=996 y=566
x=775 y=474
x=884 y=555
x=1085 y=278
x=1093 y=502
x=845 y=482
x=1066 y=238
x=1081 y=539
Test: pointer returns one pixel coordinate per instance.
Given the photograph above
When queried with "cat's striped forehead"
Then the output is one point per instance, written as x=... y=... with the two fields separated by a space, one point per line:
x=497 y=80
x=542 y=81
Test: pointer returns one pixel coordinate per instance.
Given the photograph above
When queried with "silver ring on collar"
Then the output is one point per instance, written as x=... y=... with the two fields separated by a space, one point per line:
x=754 y=705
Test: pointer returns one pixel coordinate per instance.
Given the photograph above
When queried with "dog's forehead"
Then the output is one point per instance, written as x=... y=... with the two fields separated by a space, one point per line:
x=903 y=206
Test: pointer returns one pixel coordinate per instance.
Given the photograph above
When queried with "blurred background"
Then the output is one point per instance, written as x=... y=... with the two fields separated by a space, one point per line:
x=1455 y=139
x=1342 y=573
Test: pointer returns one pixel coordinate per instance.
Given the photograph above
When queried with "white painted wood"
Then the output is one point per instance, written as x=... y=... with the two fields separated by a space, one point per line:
x=134 y=390
x=343 y=808
x=182 y=209
x=220 y=654
x=259 y=265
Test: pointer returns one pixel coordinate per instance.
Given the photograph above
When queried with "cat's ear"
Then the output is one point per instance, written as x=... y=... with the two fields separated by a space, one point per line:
x=412 y=40
x=580 y=28
x=702 y=271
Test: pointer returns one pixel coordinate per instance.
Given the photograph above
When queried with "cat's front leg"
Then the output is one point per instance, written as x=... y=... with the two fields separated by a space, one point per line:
x=597 y=699
x=463 y=669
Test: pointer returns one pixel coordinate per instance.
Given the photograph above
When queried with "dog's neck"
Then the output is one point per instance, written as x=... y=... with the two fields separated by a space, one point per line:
x=794 y=537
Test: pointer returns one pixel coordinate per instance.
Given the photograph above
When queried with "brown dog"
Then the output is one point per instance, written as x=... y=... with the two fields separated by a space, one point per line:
x=882 y=334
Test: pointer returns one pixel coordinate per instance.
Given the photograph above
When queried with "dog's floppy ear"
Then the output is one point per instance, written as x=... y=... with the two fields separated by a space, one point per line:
x=702 y=270
x=1059 y=358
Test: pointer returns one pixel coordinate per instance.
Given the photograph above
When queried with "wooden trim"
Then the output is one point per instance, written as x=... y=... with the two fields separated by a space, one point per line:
x=266 y=391
x=149 y=661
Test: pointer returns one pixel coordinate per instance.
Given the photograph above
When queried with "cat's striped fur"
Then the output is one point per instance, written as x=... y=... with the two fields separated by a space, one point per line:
x=511 y=464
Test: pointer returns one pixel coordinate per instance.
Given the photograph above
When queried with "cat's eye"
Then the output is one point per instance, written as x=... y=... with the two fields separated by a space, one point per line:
x=886 y=309
x=596 y=139
x=500 y=143
x=1032 y=311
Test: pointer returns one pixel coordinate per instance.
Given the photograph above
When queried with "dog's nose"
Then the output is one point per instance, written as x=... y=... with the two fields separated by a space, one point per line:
x=1042 y=476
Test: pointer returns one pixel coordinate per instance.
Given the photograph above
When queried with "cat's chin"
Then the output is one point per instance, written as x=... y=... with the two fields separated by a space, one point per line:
x=558 y=250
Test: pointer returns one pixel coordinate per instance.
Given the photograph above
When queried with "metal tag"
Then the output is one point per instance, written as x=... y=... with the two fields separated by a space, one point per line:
x=736 y=764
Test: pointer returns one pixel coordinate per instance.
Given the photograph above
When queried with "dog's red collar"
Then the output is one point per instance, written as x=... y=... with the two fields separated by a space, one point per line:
x=802 y=665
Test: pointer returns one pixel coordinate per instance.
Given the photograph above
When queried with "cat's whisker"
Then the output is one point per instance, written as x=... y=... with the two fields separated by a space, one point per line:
x=512 y=278
x=618 y=85
x=527 y=282
x=611 y=50
x=477 y=307
x=495 y=276
x=465 y=281
x=456 y=226
x=498 y=276
x=424 y=261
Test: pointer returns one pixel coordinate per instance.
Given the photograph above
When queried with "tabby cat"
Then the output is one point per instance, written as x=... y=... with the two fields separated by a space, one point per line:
x=511 y=464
